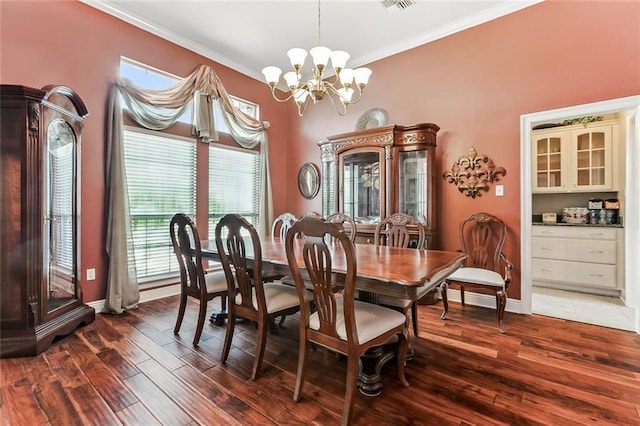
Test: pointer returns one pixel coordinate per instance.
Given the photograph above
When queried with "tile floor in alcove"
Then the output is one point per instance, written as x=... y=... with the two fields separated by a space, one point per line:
x=582 y=307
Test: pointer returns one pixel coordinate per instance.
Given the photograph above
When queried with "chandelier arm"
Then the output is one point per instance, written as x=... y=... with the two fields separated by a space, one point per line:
x=357 y=99
x=288 y=98
x=341 y=111
x=302 y=107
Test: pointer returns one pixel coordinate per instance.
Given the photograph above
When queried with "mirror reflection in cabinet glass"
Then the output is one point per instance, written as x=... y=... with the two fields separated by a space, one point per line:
x=361 y=173
x=59 y=223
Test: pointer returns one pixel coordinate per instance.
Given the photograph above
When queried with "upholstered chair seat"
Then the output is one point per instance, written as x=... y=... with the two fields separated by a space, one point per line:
x=371 y=320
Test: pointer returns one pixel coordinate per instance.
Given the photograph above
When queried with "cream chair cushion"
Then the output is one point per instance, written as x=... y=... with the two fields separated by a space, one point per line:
x=371 y=320
x=216 y=281
x=277 y=297
x=477 y=276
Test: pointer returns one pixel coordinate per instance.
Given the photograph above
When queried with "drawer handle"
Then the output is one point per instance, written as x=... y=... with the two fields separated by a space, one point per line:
x=547 y=248
x=546 y=232
x=546 y=270
x=596 y=233
x=596 y=275
x=596 y=251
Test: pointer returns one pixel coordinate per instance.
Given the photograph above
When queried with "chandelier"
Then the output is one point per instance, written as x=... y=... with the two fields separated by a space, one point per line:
x=340 y=91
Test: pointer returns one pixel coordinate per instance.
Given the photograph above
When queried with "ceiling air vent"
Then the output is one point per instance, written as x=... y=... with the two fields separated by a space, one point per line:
x=396 y=5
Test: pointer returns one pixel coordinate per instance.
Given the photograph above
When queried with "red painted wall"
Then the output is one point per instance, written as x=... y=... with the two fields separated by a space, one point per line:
x=70 y=43
x=476 y=84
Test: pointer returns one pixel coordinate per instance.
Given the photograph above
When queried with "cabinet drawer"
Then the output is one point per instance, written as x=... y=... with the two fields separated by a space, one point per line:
x=579 y=273
x=577 y=250
x=588 y=232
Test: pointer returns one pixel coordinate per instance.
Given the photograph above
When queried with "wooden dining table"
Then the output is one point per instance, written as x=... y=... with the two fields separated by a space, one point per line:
x=401 y=273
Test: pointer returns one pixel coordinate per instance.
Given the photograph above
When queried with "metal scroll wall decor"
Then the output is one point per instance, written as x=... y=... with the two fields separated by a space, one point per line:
x=473 y=173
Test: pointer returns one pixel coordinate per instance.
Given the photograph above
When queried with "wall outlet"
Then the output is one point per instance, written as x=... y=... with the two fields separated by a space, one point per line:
x=499 y=190
x=91 y=274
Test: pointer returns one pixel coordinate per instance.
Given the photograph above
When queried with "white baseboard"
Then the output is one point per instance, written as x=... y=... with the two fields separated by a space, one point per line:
x=470 y=298
x=145 y=295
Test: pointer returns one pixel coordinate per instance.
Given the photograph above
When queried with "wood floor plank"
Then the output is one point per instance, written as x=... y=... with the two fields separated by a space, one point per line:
x=186 y=396
x=137 y=414
x=156 y=401
x=132 y=369
x=19 y=405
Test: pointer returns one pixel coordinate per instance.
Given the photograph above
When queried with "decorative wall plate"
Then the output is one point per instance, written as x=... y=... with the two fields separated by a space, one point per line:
x=375 y=117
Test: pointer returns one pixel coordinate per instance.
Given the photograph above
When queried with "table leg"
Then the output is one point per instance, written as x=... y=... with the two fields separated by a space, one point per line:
x=218 y=318
x=371 y=363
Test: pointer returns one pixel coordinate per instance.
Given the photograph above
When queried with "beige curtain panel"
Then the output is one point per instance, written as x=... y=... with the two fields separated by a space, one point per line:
x=158 y=110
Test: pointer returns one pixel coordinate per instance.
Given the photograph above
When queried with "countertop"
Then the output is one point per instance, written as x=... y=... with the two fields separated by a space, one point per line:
x=617 y=225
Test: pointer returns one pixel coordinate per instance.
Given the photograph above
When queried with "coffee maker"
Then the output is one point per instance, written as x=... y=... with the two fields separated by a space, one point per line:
x=611 y=209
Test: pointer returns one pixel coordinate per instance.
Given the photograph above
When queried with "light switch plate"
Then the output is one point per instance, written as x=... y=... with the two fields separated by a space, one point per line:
x=499 y=190
x=91 y=274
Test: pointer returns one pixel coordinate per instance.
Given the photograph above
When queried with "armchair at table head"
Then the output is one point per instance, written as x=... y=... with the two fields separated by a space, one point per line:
x=194 y=282
x=249 y=296
x=398 y=230
x=339 y=323
x=482 y=237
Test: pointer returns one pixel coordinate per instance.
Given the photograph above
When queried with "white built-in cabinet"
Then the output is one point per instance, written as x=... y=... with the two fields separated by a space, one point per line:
x=577 y=158
x=578 y=258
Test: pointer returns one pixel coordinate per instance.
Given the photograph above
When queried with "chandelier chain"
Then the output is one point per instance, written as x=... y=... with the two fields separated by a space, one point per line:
x=319 y=26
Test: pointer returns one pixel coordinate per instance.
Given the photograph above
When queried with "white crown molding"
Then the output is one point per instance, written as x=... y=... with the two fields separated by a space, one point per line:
x=171 y=36
x=501 y=9
x=485 y=16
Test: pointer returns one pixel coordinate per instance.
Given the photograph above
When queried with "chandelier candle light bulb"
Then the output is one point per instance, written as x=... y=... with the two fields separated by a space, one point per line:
x=317 y=88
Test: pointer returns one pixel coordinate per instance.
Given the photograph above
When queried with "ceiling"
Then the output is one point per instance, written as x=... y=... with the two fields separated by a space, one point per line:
x=249 y=35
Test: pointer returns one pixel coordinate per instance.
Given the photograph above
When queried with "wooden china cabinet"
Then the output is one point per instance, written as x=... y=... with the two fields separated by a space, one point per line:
x=40 y=296
x=370 y=174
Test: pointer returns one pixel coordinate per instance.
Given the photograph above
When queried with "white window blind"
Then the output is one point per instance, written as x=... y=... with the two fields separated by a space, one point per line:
x=234 y=177
x=161 y=181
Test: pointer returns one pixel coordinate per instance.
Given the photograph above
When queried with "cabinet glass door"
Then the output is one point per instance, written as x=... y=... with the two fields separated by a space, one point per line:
x=412 y=188
x=361 y=186
x=548 y=157
x=590 y=150
x=59 y=219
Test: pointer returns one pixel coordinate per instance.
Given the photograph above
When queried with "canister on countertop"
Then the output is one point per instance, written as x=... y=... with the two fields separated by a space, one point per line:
x=595 y=204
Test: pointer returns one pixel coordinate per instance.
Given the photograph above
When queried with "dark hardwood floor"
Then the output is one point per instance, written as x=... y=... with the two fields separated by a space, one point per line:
x=131 y=369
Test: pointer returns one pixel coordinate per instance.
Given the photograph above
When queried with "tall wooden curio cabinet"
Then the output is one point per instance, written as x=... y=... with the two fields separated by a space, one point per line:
x=370 y=174
x=40 y=295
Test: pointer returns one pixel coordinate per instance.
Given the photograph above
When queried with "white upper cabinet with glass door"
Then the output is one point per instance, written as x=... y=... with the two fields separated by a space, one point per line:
x=575 y=158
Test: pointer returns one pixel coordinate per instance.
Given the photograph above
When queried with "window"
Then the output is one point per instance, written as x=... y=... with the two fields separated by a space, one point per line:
x=161 y=181
x=234 y=180
x=149 y=78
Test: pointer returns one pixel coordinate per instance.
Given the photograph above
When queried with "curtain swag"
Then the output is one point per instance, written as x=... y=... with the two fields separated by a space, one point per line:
x=158 y=110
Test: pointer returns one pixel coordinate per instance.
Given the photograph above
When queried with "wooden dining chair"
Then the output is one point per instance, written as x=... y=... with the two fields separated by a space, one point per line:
x=339 y=322
x=482 y=237
x=194 y=282
x=400 y=230
x=281 y=224
x=345 y=222
x=250 y=297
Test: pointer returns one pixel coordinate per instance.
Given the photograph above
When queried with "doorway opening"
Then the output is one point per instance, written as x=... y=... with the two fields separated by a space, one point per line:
x=629 y=110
